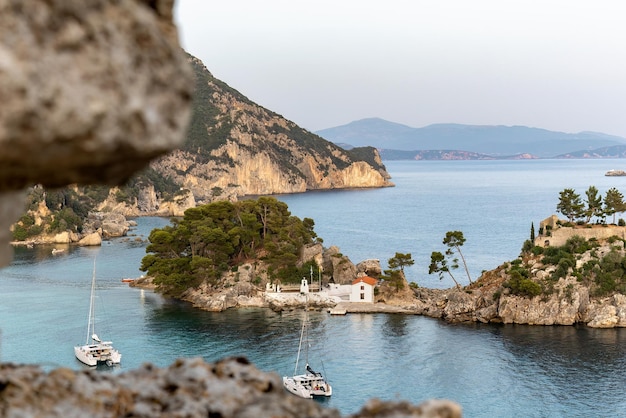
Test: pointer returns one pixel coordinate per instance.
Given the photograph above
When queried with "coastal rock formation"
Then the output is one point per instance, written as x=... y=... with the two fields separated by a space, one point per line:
x=148 y=203
x=239 y=148
x=188 y=388
x=343 y=270
x=369 y=268
x=237 y=288
x=93 y=239
x=569 y=300
x=91 y=92
x=111 y=224
x=77 y=89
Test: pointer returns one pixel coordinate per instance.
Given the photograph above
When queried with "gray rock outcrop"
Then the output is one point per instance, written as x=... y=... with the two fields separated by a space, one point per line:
x=343 y=270
x=189 y=388
x=107 y=224
x=369 y=268
x=93 y=239
x=488 y=300
x=78 y=88
x=91 y=92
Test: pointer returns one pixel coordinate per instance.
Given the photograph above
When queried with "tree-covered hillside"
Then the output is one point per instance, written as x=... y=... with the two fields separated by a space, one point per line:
x=213 y=238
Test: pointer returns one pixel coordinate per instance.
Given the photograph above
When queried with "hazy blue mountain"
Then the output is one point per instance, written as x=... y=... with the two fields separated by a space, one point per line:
x=496 y=141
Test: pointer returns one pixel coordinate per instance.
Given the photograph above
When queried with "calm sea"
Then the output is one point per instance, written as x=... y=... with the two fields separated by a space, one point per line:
x=492 y=371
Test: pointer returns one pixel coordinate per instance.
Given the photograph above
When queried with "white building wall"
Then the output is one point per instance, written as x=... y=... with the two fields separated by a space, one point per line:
x=362 y=292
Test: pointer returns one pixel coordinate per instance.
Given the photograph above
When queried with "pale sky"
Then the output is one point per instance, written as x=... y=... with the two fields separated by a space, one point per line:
x=552 y=64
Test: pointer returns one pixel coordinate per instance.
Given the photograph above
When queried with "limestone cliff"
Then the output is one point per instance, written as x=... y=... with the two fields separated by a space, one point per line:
x=587 y=290
x=235 y=147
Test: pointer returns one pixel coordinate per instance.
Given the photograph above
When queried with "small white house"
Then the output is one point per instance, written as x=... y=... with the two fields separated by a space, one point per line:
x=363 y=289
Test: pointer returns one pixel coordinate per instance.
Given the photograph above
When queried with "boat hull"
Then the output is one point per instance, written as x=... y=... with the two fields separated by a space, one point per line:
x=95 y=354
x=307 y=386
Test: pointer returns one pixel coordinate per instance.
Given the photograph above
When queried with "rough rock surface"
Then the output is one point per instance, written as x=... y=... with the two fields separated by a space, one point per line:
x=343 y=270
x=148 y=204
x=487 y=300
x=88 y=98
x=260 y=152
x=91 y=92
x=93 y=239
x=107 y=224
x=188 y=388
x=369 y=268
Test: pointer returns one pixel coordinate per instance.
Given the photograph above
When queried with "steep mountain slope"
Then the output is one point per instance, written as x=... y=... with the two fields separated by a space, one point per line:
x=496 y=141
x=233 y=148
x=236 y=147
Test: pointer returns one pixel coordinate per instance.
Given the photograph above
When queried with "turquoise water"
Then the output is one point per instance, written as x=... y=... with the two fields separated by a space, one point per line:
x=492 y=371
x=492 y=202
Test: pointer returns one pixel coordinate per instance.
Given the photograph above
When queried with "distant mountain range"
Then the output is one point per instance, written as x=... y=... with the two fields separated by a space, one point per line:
x=464 y=142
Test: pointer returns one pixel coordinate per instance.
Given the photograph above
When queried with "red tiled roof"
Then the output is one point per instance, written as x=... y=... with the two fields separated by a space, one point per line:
x=365 y=279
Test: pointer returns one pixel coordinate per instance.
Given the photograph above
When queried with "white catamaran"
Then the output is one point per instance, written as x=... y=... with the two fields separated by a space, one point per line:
x=98 y=351
x=310 y=383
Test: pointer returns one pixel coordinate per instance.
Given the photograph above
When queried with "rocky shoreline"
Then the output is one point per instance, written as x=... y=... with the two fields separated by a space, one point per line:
x=98 y=226
x=480 y=302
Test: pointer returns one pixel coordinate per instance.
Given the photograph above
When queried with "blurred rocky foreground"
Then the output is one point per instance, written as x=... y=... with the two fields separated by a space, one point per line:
x=91 y=91
x=188 y=388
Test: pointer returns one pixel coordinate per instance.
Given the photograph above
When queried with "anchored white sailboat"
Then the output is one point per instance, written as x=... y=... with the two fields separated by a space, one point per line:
x=97 y=351
x=310 y=383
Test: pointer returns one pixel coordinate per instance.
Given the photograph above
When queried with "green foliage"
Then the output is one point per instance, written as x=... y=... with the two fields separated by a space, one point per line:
x=394 y=278
x=399 y=261
x=594 y=204
x=519 y=282
x=574 y=245
x=606 y=275
x=570 y=204
x=522 y=286
x=614 y=202
x=367 y=154
x=609 y=274
x=527 y=246
x=439 y=265
x=536 y=250
x=454 y=240
x=215 y=237
x=395 y=275
x=26 y=228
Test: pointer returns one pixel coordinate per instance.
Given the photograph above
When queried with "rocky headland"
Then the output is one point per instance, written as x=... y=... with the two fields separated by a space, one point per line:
x=559 y=296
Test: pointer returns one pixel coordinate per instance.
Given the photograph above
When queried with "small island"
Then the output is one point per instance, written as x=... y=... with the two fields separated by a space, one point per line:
x=255 y=254
x=615 y=173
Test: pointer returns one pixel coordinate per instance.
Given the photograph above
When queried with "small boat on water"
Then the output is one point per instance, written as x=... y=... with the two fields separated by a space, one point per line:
x=615 y=173
x=310 y=383
x=97 y=351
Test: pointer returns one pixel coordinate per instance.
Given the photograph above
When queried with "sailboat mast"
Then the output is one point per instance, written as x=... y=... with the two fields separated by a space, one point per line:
x=91 y=326
x=295 y=370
